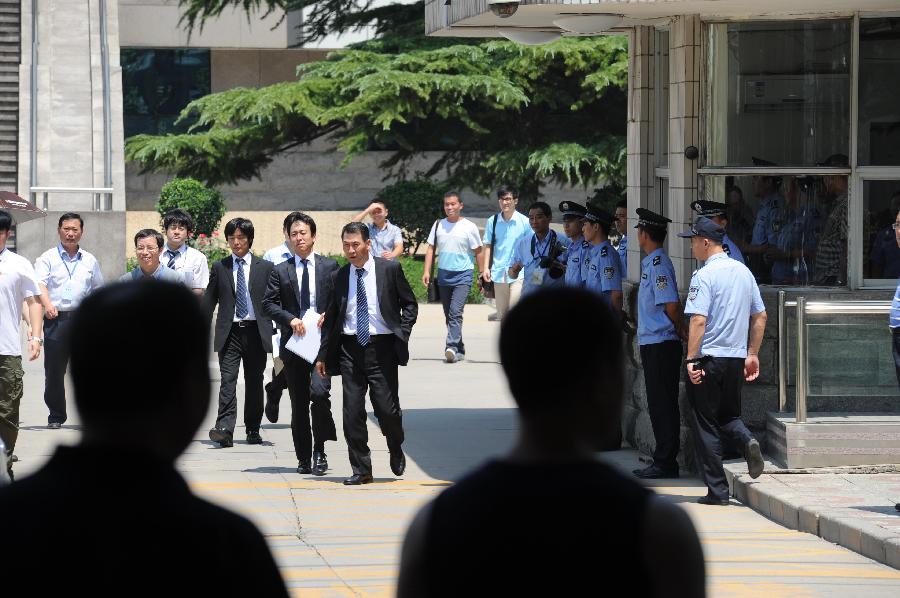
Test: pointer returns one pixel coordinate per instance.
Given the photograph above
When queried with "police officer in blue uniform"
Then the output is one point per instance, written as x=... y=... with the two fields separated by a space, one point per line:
x=724 y=305
x=605 y=274
x=717 y=212
x=573 y=221
x=622 y=228
x=660 y=330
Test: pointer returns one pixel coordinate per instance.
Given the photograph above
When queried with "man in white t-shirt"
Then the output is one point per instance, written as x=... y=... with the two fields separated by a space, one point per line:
x=458 y=247
x=18 y=284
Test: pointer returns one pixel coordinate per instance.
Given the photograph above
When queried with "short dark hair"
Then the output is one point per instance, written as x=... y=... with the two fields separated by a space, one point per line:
x=70 y=216
x=240 y=224
x=5 y=221
x=149 y=232
x=622 y=203
x=455 y=194
x=300 y=217
x=656 y=234
x=543 y=207
x=126 y=316
x=355 y=228
x=507 y=190
x=550 y=310
x=381 y=201
x=178 y=217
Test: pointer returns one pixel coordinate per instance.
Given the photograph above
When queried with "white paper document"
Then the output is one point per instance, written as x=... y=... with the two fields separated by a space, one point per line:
x=307 y=346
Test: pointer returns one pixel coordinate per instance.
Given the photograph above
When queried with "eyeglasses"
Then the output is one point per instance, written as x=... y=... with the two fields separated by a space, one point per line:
x=896 y=226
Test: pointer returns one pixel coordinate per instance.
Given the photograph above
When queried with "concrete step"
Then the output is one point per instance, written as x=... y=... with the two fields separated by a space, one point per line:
x=834 y=439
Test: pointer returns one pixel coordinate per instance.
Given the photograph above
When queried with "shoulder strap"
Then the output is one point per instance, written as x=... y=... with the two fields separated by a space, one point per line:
x=493 y=239
x=434 y=257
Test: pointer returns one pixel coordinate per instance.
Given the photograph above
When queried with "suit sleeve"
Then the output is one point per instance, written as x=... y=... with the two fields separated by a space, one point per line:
x=408 y=305
x=271 y=302
x=211 y=295
x=329 y=330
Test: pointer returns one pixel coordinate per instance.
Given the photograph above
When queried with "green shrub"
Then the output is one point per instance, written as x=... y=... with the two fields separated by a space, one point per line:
x=414 y=206
x=204 y=204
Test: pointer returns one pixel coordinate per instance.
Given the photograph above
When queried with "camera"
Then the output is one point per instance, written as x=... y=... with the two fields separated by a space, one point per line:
x=551 y=263
x=503 y=8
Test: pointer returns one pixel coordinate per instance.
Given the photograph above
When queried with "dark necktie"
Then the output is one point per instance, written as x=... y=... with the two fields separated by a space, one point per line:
x=362 y=310
x=240 y=301
x=304 y=288
x=172 y=255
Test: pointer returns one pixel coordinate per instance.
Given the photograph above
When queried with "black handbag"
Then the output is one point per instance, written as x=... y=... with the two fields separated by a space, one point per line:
x=434 y=294
x=487 y=288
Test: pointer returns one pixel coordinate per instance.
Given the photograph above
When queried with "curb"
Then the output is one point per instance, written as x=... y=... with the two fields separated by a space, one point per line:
x=833 y=525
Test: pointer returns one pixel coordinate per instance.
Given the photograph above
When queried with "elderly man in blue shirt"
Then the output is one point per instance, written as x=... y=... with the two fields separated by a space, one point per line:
x=501 y=235
x=540 y=255
x=66 y=275
x=148 y=244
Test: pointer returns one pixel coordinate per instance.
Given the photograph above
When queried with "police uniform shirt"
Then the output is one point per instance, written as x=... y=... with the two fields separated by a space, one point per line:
x=17 y=282
x=798 y=232
x=384 y=239
x=529 y=252
x=574 y=257
x=68 y=279
x=725 y=292
x=190 y=264
x=622 y=250
x=658 y=287
x=279 y=254
x=605 y=274
x=732 y=250
x=504 y=239
x=764 y=229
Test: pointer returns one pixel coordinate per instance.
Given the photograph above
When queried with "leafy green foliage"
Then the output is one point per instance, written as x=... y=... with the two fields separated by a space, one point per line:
x=204 y=204
x=413 y=206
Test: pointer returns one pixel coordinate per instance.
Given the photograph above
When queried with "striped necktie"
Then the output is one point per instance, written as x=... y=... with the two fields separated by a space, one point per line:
x=172 y=255
x=240 y=296
x=362 y=310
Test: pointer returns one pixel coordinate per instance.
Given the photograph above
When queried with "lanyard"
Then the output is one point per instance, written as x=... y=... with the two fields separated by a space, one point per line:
x=71 y=272
x=541 y=252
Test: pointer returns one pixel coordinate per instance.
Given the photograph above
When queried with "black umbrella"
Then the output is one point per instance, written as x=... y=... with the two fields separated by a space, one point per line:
x=21 y=210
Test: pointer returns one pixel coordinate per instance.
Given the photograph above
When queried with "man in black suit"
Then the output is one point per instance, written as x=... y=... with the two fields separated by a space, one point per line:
x=237 y=284
x=117 y=511
x=296 y=286
x=365 y=337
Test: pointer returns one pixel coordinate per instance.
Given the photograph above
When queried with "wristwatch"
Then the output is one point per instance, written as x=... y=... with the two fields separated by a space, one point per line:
x=39 y=340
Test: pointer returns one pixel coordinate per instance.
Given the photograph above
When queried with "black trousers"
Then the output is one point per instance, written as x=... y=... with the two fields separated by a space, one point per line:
x=56 y=360
x=716 y=407
x=310 y=400
x=662 y=371
x=372 y=368
x=243 y=344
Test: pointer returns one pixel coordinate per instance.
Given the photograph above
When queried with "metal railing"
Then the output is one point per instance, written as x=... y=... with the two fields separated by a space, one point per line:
x=805 y=308
x=102 y=196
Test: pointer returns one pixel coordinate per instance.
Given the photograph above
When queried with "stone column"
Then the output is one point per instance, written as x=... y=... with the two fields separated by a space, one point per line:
x=640 y=133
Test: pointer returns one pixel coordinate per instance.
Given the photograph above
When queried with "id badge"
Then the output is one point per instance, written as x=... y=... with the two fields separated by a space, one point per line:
x=68 y=293
x=537 y=276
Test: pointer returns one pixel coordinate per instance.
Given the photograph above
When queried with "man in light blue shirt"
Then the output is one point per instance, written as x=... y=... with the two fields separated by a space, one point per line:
x=723 y=303
x=605 y=274
x=66 y=275
x=148 y=244
x=660 y=330
x=386 y=238
x=541 y=254
x=573 y=223
x=501 y=235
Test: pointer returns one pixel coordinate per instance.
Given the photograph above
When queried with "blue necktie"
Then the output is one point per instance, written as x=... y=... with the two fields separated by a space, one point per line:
x=362 y=310
x=304 y=288
x=240 y=302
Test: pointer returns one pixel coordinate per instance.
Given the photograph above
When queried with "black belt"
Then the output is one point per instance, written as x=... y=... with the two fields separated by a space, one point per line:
x=244 y=323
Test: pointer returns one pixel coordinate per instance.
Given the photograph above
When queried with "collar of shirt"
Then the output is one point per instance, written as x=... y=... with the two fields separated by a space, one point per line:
x=288 y=253
x=387 y=225
x=311 y=258
x=717 y=256
x=369 y=266
x=64 y=255
x=182 y=250
x=3 y=253
x=156 y=273
x=647 y=260
x=235 y=258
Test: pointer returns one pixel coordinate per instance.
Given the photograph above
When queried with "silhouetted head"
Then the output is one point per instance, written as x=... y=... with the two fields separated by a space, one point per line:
x=558 y=379
x=130 y=390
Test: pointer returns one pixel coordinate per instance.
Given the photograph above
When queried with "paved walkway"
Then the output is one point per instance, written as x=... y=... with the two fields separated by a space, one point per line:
x=331 y=540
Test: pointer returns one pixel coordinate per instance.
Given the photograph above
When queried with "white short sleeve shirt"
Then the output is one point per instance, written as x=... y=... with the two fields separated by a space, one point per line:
x=18 y=281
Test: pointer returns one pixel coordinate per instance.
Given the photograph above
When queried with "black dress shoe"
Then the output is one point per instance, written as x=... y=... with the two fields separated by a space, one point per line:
x=713 y=500
x=272 y=401
x=222 y=436
x=54 y=426
x=753 y=455
x=398 y=462
x=304 y=468
x=358 y=478
x=320 y=463
x=655 y=472
x=253 y=437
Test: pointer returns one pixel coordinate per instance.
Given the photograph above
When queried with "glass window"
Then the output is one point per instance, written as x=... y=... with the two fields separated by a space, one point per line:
x=881 y=253
x=662 y=99
x=779 y=92
x=790 y=230
x=158 y=84
x=879 y=91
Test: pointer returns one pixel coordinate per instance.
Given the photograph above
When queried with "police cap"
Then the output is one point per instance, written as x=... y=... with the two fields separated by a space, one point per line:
x=648 y=219
x=570 y=209
x=598 y=215
x=704 y=227
x=709 y=208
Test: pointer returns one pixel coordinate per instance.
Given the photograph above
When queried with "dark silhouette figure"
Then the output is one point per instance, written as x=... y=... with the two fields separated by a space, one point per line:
x=111 y=516
x=548 y=519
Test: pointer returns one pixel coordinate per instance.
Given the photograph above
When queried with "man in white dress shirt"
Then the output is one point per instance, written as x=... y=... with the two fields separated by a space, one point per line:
x=190 y=263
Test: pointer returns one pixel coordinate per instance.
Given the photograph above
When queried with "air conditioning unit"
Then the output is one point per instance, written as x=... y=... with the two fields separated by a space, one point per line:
x=792 y=92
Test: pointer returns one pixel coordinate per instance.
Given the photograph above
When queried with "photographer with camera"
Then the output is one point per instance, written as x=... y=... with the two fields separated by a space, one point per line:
x=605 y=273
x=540 y=253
